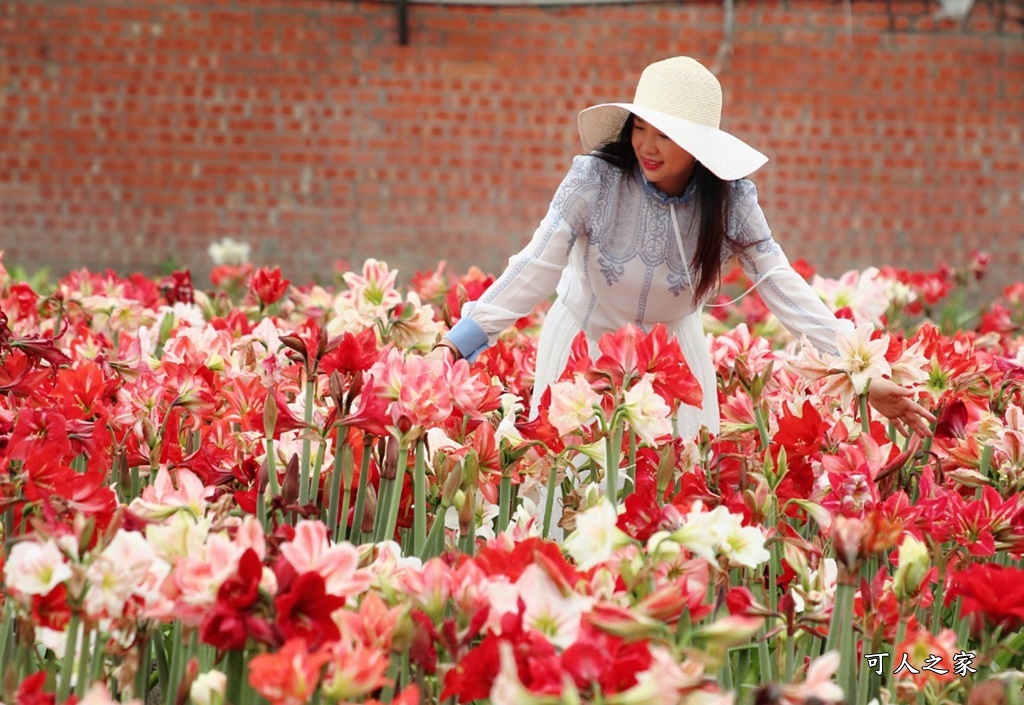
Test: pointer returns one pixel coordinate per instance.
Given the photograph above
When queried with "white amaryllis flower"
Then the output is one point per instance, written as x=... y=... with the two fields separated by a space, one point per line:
x=35 y=568
x=180 y=536
x=646 y=411
x=117 y=573
x=506 y=430
x=862 y=358
x=547 y=610
x=716 y=534
x=229 y=251
x=572 y=405
x=596 y=536
x=486 y=513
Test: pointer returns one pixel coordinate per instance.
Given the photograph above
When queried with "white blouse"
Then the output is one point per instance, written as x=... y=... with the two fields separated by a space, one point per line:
x=617 y=251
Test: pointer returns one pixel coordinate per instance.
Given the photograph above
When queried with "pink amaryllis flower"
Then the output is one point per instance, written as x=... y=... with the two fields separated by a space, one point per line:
x=337 y=564
x=173 y=490
x=646 y=411
x=354 y=669
x=818 y=686
x=573 y=405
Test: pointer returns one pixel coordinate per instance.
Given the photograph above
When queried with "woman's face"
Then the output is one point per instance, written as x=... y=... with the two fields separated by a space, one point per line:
x=665 y=164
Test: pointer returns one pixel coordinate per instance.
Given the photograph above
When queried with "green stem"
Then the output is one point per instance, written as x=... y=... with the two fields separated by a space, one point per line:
x=364 y=470
x=235 y=671
x=865 y=417
x=504 y=502
x=419 y=488
x=304 y=469
x=136 y=483
x=549 y=501
x=68 y=665
x=82 y=683
x=986 y=460
x=776 y=559
x=384 y=492
x=469 y=540
x=842 y=613
x=163 y=668
x=6 y=632
x=939 y=591
x=177 y=663
x=96 y=667
x=314 y=480
x=632 y=456
x=863 y=686
x=430 y=546
x=790 y=655
x=766 y=675
x=613 y=452
x=274 y=484
x=395 y=498
x=762 y=425
x=342 y=459
x=141 y=690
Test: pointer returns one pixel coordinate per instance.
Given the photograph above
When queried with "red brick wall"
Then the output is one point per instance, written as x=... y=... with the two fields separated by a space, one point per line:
x=137 y=131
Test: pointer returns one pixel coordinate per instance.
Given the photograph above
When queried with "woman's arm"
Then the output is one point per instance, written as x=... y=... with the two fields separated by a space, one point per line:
x=533 y=273
x=798 y=307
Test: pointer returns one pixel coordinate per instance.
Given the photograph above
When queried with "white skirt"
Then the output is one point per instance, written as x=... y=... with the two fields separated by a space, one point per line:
x=561 y=326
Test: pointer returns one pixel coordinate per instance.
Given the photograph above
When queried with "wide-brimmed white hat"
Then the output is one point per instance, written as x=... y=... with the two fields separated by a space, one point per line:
x=683 y=100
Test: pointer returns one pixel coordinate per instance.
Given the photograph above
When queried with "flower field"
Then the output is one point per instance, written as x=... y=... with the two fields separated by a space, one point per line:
x=267 y=492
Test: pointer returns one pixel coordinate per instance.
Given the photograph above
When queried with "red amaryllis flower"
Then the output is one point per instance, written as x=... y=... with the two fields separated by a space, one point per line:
x=537 y=662
x=501 y=557
x=351 y=354
x=673 y=379
x=232 y=619
x=177 y=287
x=304 y=612
x=268 y=285
x=37 y=348
x=19 y=376
x=470 y=287
x=600 y=658
x=240 y=590
x=51 y=610
x=289 y=676
x=993 y=593
x=30 y=692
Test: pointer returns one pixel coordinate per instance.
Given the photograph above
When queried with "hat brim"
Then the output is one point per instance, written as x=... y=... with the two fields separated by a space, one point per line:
x=726 y=156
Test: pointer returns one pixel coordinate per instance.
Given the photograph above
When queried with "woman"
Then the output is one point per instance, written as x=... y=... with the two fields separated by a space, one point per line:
x=638 y=232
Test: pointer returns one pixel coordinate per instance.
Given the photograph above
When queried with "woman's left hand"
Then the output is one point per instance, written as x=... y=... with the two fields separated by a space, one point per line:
x=896 y=403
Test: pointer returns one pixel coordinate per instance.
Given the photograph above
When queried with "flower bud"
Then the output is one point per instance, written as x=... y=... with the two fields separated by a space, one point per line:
x=290 y=484
x=209 y=688
x=846 y=542
x=270 y=413
x=730 y=631
x=913 y=564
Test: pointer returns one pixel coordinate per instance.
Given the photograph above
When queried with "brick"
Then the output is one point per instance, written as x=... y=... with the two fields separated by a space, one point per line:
x=288 y=121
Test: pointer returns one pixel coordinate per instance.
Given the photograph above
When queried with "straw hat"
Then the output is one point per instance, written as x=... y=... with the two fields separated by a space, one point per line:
x=683 y=100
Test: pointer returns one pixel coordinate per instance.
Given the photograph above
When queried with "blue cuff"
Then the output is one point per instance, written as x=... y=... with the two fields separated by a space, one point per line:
x=468 y=337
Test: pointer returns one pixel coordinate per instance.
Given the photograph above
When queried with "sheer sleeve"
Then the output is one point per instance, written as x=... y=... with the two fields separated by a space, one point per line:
x=533 y=273
x=785 y=292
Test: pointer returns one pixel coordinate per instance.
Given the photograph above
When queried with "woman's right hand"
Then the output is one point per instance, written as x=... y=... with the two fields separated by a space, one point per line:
x=445 y=350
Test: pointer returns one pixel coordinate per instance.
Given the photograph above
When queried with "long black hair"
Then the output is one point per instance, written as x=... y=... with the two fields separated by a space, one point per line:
x=714 y=198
